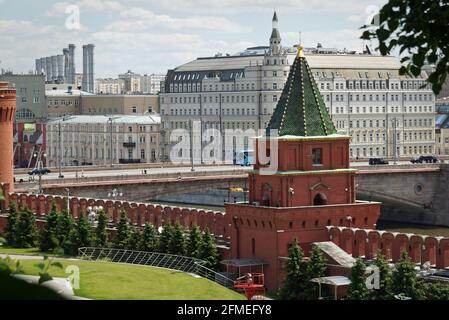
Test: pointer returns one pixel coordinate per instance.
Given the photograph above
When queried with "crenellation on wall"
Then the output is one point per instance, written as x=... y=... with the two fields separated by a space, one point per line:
x=138 y=213
x=367 y=243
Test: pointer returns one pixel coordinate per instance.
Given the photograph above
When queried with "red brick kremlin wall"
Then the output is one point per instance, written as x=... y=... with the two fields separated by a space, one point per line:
x=355 y=241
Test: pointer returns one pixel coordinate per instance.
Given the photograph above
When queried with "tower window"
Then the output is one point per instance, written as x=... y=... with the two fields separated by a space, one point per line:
x=317 y=156
x=320 y=200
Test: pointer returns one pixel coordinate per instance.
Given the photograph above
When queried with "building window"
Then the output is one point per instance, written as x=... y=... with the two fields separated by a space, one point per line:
x=317 y=156
x=142 y=154
x=134 y=109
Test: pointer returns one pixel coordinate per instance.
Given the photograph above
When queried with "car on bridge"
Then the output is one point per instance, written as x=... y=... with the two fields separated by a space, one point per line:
x=39 y=171
x=377 y=161
x=425 y=159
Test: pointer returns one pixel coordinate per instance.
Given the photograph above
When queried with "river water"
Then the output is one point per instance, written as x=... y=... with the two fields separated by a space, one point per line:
x=381 y=225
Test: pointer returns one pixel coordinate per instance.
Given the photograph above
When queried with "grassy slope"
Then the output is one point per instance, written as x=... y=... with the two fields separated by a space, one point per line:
x=27 y=251
x=102 y=280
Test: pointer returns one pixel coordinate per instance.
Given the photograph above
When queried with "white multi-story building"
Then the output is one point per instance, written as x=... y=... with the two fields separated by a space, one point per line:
x=109 y=86
x=133 y=81
x=386 y=114
x=151 y=83
x=103 y=140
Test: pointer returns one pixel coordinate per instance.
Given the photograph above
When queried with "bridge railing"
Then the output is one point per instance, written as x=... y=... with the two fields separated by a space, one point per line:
x=155 y=259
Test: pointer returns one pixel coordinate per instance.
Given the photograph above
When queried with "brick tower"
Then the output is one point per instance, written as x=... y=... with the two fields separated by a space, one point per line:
x=310 y=188
x=7 y=111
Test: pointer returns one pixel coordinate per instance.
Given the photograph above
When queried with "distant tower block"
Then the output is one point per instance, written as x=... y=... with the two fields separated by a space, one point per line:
x=7 y=111
x=88 y=68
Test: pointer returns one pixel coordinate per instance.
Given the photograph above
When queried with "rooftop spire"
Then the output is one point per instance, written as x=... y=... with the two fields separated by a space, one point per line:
x=301 y=110
x=274 y=22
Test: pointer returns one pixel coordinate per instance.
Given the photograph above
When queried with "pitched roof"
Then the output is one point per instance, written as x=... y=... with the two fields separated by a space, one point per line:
x=301 y=110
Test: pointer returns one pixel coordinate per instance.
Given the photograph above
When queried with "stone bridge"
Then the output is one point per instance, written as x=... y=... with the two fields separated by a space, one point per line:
x=410 y=193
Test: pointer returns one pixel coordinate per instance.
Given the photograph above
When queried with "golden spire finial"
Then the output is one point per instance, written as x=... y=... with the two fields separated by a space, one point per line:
x=300 y=53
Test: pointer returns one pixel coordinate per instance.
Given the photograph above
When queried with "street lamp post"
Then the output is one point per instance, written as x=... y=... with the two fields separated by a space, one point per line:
x=394 y=122
x=68 y=200
x=110 y=141
x=191 y=146
x=60 y=150
x=40 y=167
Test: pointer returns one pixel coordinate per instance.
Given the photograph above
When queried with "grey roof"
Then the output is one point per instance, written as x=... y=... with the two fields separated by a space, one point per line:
x=335 y=252
x=244 y=262
x=333 y=280
x=62 y=93
x=316 y=61
x=117 y=119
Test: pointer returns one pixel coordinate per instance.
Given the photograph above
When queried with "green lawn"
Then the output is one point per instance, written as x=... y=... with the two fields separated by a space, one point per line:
x=25 y=251
x=113 y=281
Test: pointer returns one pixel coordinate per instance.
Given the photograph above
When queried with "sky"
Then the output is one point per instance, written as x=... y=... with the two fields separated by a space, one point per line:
x=148 y=36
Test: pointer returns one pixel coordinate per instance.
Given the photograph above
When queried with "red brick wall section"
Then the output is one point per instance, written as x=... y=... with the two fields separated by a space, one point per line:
x=420 y=248
x=138 y=213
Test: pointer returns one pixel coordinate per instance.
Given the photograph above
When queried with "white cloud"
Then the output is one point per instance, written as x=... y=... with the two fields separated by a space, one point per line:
x=87 y=5
x=286 y=6
x=148 y=17
x=340 y=39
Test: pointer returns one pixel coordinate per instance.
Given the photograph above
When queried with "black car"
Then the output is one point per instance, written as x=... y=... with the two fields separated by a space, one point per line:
x=375 y=161
x=425 y=159
x=39 y=171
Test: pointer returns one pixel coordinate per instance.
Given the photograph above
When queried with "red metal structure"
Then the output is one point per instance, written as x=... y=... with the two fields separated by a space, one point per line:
x=251 y=284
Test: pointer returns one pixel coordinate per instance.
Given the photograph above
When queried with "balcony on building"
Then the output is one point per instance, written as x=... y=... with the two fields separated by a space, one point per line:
x=129 y=144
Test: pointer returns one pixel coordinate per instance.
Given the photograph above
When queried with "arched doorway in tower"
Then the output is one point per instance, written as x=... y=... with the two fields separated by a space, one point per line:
x=320 y=199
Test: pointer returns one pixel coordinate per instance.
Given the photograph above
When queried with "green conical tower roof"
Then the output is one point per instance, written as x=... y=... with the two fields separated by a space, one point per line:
x=301 y=110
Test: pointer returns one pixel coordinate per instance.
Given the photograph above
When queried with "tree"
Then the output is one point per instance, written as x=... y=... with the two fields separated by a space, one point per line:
x=316 y=268
x=12 y=226
x=49 y=235
x=419 y=29
x=177 y=243
x=123 y=232
x=209 y=251
x=194 y=242
x=296 y=274
x=404 y=279
x=84 y=231
x=26 y=230
x=358 y=289
x=164 y=239
x=65 y=223
x=135 y=239
x=101 y=235
x=80 y=236
x=384 y=291
x=148 y=241
x=435 y=291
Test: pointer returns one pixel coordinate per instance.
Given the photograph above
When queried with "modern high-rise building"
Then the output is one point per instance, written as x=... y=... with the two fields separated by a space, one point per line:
x=132 y=81
x=88 y=68
x=386 y=114
x=58 y=69
x=151 y=83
